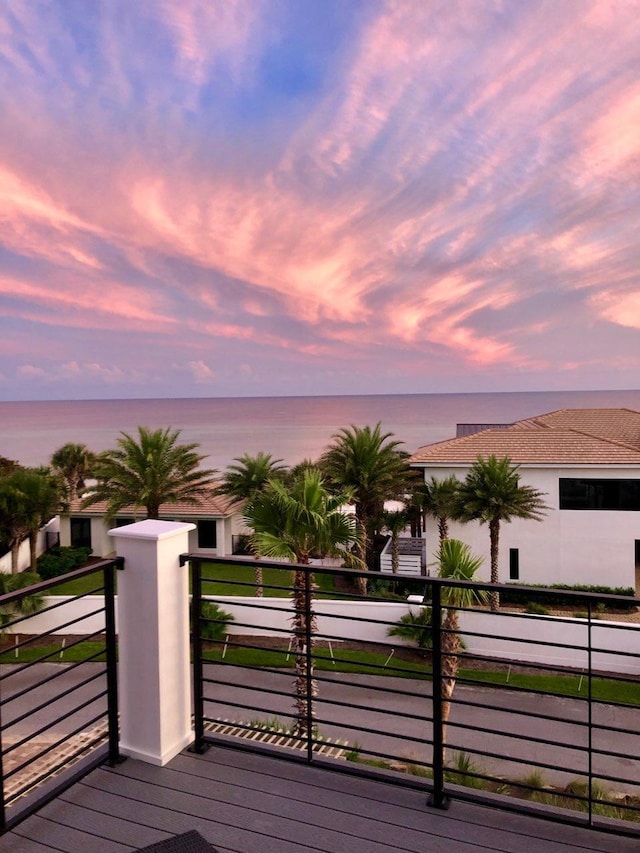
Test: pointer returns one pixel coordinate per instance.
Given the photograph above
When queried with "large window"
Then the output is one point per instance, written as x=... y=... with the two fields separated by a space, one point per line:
x=599 y=494
x=207 y=534
x=80 y=532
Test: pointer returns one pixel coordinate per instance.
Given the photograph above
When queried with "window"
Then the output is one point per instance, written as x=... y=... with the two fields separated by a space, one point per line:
x=599 y=494
x=121 y=522
x=207 y=534
x=80 y=532
x=514 y=564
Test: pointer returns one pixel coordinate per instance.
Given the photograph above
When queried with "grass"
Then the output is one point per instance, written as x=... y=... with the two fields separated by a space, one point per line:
x=367 y=663
x=218 y=579
x=602 y=689
x=81 y=652
x=364 y=663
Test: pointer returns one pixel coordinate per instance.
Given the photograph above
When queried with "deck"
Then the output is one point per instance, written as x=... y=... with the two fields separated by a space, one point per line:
x=252 y=803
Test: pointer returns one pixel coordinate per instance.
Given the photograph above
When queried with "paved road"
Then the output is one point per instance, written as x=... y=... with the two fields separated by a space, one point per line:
x=379 y=721
x=399 y=723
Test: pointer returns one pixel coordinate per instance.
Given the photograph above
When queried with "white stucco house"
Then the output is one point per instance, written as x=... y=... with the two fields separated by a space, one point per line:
x=217 y=519
x=587 y=462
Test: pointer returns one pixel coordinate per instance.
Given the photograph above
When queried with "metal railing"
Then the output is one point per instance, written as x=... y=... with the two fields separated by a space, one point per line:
x=544 y=716
x=58 y=692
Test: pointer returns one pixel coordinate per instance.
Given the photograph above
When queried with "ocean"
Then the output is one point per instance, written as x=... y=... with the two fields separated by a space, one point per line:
x=290 y=428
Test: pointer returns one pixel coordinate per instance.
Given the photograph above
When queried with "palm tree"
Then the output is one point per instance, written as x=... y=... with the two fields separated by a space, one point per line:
x=440 y=501
x=492 y=493
x=369 y=464
x=249 y=475
x=28 y=499
x=24 y=606
x=74 y=463
x=416 y=627
x=395 y=522
x=244 y=479
x=456 y=563
x=148 y=471
x=292 y=521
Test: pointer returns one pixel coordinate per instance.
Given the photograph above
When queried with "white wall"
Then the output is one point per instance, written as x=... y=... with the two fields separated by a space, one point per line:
x=507 y=633
x=567 y=546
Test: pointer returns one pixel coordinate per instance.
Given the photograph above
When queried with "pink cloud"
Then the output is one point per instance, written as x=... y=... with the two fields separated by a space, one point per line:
x=88 y=305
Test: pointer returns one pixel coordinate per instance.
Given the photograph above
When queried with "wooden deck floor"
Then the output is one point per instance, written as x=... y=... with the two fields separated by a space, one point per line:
x=249 y=803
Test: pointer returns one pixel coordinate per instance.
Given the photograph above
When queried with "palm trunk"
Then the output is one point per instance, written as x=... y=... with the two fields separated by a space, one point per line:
x=494 y=540
x=258 y=580
x=443 y=528
x=395 y=553
x=362 y=525
x=306 y=687
x=450 y=645
x=33 y=550
x=15 y=558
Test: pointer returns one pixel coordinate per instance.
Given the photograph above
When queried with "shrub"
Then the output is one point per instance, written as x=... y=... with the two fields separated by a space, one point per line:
x=415 y=627
x=215 y=621
x=510 y=595
x=537 y=609
x=59 y=561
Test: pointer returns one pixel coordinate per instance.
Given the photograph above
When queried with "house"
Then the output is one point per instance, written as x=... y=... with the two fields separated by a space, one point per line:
x=587 y=463
x=218 y=521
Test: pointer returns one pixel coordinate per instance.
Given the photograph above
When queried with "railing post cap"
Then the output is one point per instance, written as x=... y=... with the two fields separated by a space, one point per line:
x=152 y=529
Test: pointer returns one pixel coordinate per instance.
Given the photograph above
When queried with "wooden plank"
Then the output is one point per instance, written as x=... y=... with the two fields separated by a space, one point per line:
x=291 y=816
x=373 y=797
x=59 y=836
x=248 y=803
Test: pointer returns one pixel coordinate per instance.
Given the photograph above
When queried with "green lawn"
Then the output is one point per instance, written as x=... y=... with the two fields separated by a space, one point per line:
x=368 y=663
x=223 y=573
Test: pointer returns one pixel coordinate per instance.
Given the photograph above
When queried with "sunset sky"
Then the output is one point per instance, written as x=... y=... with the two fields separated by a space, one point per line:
x=202 y=198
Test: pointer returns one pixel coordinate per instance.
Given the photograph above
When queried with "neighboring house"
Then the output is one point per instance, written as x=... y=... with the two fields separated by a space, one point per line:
x=218 y=522
x=587 y=462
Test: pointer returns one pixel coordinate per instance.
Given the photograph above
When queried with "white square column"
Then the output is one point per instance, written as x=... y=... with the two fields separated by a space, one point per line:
x=154 y=669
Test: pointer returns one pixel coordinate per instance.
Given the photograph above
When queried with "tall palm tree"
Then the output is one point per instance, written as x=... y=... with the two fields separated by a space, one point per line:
x=244 y=479
x=292 y=521
x=456 y=563
x=74 y=463
x=492 y=493
x=440 y=501
x=369 y=464
x=148 y=471
x=248 y=475
x=395 y=521
x=28 y=499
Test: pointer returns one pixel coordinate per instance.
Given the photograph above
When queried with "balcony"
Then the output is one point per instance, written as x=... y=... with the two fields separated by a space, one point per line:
x=540 y=750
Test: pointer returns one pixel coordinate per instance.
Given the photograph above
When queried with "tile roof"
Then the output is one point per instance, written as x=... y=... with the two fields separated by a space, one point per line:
x=621 y=425
x=212 y=505
x=568 y=436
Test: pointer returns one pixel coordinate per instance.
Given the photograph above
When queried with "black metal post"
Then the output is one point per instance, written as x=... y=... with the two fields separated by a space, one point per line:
x=3 y=817
x=590 y=711
x=309 y=656
x=438 y=799
x=112 y=660
x=199 y=745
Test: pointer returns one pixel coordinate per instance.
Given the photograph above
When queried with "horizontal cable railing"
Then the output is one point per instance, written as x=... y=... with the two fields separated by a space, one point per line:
x=58 y=689
x=529 y=709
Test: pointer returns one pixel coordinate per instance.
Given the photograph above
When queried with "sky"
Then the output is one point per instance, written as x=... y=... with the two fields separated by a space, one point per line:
x=204 y=198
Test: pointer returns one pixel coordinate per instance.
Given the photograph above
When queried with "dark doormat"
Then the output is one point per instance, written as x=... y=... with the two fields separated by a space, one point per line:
x=188 y=842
